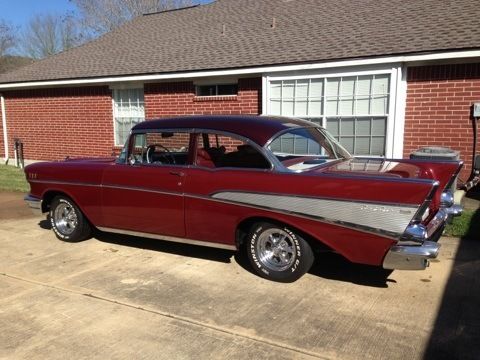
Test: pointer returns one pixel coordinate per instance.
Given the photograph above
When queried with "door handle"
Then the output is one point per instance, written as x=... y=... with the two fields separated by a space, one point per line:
x=177 y=173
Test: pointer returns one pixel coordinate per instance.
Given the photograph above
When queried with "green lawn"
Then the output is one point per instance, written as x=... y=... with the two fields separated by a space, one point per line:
x=13 y=179
x=464 y=225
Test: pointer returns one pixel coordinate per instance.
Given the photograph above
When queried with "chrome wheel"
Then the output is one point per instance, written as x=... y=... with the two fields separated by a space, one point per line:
x=276 y=249
x=65 y=218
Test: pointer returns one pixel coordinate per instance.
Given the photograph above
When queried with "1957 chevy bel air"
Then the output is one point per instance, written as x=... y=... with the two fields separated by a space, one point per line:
x=278 y=188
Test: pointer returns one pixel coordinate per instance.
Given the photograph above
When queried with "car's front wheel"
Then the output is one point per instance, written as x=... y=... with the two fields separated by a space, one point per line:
x=278 y=253
x=68 y=222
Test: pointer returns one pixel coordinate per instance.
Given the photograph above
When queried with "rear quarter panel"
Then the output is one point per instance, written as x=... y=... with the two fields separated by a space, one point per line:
x=210 y=220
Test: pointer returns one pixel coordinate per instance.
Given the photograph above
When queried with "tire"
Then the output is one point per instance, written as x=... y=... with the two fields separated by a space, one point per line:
x=277 y=253
x=68 y=222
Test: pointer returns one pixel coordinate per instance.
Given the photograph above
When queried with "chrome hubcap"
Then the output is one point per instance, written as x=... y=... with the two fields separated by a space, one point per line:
x=65 y=218
x=276 y=249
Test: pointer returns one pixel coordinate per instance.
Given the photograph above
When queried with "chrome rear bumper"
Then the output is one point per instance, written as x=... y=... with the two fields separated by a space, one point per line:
x=411 y=257
x=418 y=244
x=35 y=204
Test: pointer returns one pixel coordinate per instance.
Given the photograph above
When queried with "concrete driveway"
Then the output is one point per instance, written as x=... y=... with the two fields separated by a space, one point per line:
x=123 y=297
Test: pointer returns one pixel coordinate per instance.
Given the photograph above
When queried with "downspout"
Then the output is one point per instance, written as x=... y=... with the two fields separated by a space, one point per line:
x=4 y=126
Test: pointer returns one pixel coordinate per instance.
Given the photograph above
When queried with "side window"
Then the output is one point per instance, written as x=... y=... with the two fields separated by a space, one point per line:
x=159 y=148
x=218 y=151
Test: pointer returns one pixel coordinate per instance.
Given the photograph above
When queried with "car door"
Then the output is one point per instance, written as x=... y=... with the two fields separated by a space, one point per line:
x=222 y=163
x=145 y=194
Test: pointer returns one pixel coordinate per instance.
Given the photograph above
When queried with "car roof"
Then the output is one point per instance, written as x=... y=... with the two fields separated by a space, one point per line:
x=256 y=128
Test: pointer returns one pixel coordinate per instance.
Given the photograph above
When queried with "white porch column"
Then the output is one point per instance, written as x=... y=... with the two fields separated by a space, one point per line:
x=4 y=126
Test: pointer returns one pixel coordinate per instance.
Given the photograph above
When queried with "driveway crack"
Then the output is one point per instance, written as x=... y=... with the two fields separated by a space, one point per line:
x=175 y=317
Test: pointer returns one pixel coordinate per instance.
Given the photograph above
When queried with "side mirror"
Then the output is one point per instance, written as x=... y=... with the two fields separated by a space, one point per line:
x=131 y=159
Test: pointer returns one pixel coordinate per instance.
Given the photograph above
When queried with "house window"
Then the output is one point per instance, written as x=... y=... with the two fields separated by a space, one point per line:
x=128 y=109
x=353 y=108
x=217 y=90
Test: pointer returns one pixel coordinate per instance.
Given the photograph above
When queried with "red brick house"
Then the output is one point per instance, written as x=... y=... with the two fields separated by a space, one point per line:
x=385 y=77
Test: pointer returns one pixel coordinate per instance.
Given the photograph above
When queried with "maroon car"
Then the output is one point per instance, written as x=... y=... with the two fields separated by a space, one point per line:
x=278 y=187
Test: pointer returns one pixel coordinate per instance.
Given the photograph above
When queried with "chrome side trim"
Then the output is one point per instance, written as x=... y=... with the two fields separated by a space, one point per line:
x=454 y=175
x=168 y=238
x=142 y=189
x=75 y=183
x=383 y=219
x=406 y=205
x=437 y=222
x=410 y=257
x=375 y=230
x=133 y=188
x=35 y=204
x=426 y=204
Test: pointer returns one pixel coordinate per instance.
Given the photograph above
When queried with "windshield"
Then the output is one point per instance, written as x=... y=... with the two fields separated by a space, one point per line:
x=303 y=148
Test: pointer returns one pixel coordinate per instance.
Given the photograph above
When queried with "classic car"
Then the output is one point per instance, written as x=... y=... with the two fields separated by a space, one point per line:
x=278 y=188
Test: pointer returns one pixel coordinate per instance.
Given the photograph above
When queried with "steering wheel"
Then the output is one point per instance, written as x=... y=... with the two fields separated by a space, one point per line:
x=151 y=149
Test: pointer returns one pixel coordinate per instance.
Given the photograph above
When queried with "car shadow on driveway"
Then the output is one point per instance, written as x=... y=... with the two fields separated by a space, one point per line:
x=327 y=265
x=456 y=333
x=335 y=267
x=169 y=247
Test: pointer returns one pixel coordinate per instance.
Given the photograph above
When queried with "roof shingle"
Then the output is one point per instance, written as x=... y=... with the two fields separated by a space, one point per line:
x=304 y=31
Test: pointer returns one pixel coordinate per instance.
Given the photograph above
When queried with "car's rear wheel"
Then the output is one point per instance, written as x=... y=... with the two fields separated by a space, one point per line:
x=278 y=253
x=68 y=222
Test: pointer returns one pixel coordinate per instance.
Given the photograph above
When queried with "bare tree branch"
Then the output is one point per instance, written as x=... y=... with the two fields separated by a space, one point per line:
x=46 y=35
x=7 y=37
x=101 y=16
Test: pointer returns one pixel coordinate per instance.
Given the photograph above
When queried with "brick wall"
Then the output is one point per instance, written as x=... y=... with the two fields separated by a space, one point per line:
x=171 y=99
x=54 y=123
x=438 y=111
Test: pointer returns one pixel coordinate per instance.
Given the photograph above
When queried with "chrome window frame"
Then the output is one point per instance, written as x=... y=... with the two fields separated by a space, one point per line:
x=273 y=164
x=271 y=159
x=282 y=167
x=145 y=131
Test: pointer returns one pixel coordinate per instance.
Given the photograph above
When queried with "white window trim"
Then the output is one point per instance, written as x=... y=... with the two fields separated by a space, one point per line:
x=397 y=97
x=124 y=87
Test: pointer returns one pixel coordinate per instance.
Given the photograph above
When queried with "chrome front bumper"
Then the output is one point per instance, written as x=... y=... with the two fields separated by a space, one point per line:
x=35 y=204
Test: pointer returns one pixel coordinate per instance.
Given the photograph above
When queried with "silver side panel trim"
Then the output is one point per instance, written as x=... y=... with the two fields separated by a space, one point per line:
x=168 y=238
x=389 y=219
